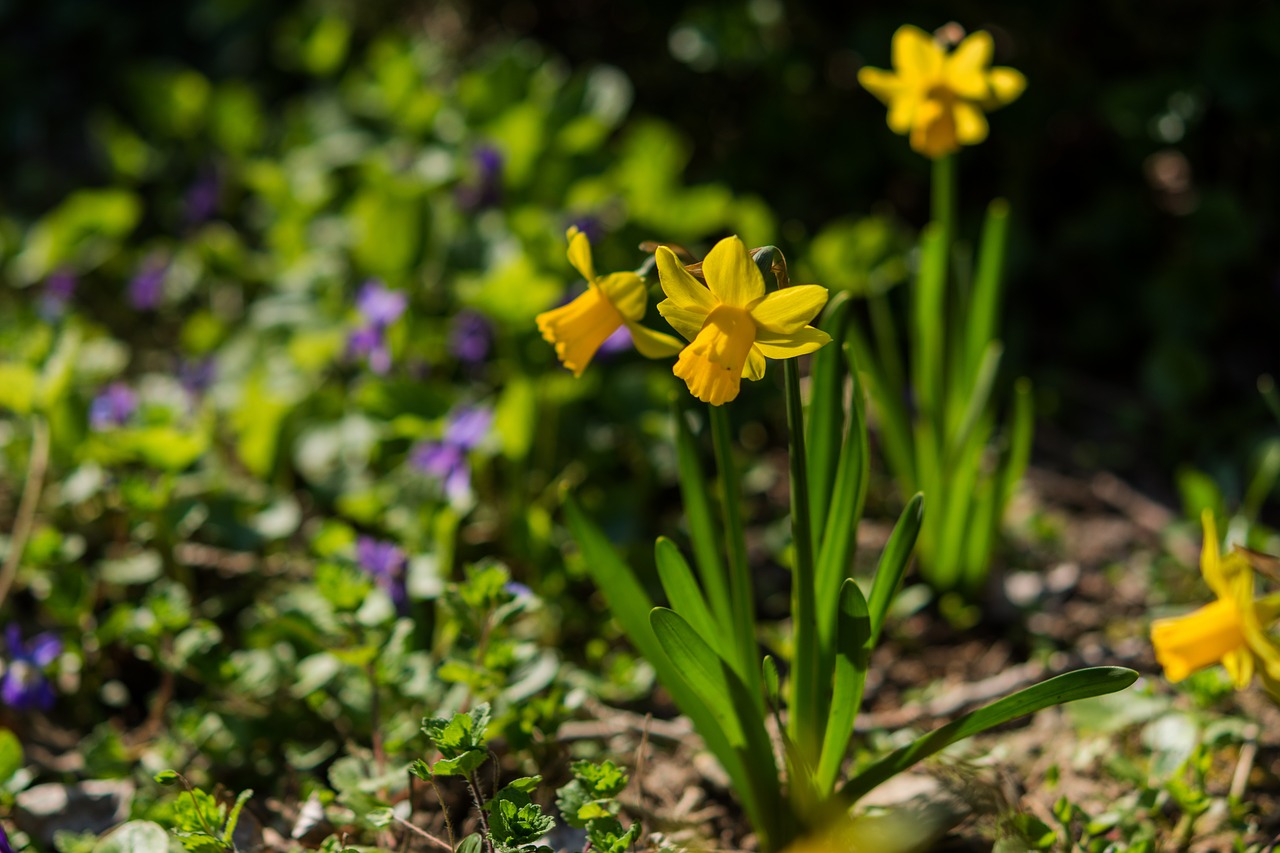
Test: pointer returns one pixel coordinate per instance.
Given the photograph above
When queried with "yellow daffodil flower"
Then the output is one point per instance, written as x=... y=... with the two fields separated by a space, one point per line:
x=1230 y=630
x=578 y=329
x=938 y=99
x=732 y=324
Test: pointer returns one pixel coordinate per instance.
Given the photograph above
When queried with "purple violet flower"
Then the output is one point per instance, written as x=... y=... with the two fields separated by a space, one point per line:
x=196 y=375
x=5 y=846
x=591 y=226
x=25 y=685
x=385 y=562
x=486 y=191
x=201 y=200
x=446 y=459
x=518 y=589
x=113 y=407
x=470 y=336
x=379 y=307
x=147 y=285
x=619 y=341
x=58 y=290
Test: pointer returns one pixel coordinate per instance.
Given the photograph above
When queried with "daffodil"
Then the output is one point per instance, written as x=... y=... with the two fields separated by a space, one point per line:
x=733 y=325
x=610 y=301
x=939 y=99
x=1231 y=630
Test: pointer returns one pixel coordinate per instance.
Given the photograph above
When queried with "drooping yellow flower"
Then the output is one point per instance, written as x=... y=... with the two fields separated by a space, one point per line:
x=618 y=299
x=731 y=323
x=1231 y=630
x=938 y=99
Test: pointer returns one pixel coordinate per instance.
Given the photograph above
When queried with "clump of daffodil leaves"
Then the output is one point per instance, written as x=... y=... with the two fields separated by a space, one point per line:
x=732 y=324
x=939 y=99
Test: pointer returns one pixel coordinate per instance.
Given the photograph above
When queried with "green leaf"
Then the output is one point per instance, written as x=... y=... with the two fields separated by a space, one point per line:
x=696 y=499
x=630 y=605
x=826 y=409
x=473 y=843
x=136 y=836
x=853 y=638
x=980 y=321
x=167 y=777
x=10 y=755
x=19 y=386
x=683 y=592
x=893 y=563
x=1068 y=687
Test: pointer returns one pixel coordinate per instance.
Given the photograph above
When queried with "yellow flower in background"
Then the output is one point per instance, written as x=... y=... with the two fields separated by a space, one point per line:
x=939 y=99
x=731 y=323
x=1230 y=630
x=578 y=329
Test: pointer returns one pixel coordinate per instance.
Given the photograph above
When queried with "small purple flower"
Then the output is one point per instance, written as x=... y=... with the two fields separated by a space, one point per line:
x=446 y=459
x=113 y=407
x=486 y=191
x=201 y=200
x=590 y=226
x=518 y=589
x=5 y=846
x=24 y=685
x=385 y=561
x=58 y=290
x=470 y=336
x=619 y=341
x=196 y=375
x=147 y=286
x=379 y=307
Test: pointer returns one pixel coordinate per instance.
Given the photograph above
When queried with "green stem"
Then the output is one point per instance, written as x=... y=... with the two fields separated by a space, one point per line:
x=807 y=719
x=944 y=197
x=25 y=520
x=740 y=590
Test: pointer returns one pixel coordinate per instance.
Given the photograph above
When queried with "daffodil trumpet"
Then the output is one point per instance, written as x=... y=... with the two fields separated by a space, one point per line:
x=610 y=302
x=1234 y=630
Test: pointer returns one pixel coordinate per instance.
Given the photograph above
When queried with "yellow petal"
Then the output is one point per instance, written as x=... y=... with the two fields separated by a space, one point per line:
x=916 y=56
x=580 y=253
x=680 y=285
x=800 y=342
x=966 y=68
x=651 y=344
x=754 y=369
x=902 y=112
x=789 y=309
x=626 y=291
x=1188 y=643
x=578 y=329
x=688 y=323
x=885 y=85
x=1210 y=556
x=712 y=365
x=733 y=278
x=1004 y=86
x=971 y=124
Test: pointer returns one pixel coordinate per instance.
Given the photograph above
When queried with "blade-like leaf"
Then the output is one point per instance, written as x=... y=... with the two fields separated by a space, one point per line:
x=703 y=533
x=980 y=324
x=893 y=563
x=1081 y=684
x=630 y=605
x=853 y=636
x=826 y=409
x=729 y=700
x=683 y=592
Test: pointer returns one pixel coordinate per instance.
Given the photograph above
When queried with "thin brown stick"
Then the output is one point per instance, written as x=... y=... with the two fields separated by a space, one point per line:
x=25 y=519
x=422 y=833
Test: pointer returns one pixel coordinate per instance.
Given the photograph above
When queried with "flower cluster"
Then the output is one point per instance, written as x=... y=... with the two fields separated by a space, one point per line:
x=379 y=307
x=25 y=685
x=445 y=460
x=1232 y=631
x=731 y=323
x=939 y=100
x=384 y=561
